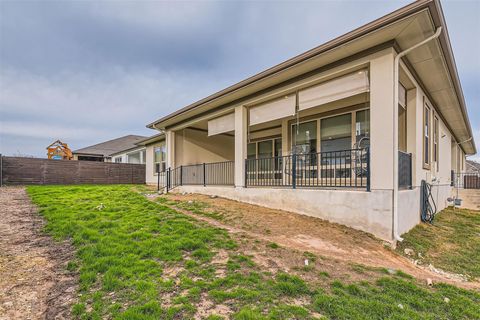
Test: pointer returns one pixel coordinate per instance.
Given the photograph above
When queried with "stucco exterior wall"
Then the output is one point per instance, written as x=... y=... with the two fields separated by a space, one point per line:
x=409 y=205
x=366 y=211
x=194 y=146
x=381 y=121
x=151 y=177
x=438 y=174
x=124 y=155
x=409 y=209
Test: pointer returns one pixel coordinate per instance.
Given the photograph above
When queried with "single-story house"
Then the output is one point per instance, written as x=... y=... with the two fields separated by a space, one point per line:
x=346 y=131
x=120 y=150
x=155 y=155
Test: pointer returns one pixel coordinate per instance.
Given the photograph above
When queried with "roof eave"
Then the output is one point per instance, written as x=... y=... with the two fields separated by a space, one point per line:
x=434 y=8
x=365 y=29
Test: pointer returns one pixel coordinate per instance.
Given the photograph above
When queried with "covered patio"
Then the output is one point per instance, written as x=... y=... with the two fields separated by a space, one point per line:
x=317 y=136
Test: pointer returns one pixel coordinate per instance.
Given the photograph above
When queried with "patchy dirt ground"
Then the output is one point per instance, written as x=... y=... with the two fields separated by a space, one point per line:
x=342 y=246
x=34 y=283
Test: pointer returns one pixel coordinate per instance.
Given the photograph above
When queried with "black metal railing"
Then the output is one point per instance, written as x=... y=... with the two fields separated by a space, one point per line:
x=206 y=174
x=173 y=178
x=465 y=180
x=404 y=170
x=219 y=173
x=332 y=169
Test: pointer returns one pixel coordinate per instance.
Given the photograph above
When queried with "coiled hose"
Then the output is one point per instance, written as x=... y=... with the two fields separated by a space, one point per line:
x=428 y=206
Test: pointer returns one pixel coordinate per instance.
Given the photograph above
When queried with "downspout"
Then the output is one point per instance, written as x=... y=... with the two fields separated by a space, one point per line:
x=437 y=33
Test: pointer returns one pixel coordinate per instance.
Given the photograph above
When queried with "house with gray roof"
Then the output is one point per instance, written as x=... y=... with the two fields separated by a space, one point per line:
x=120 y=150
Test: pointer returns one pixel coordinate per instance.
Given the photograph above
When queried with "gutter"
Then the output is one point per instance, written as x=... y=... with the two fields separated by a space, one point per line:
x=396 y=62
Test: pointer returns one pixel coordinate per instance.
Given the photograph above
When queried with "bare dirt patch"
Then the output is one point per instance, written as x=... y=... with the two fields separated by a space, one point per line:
x=34 y=282
x=342 y=246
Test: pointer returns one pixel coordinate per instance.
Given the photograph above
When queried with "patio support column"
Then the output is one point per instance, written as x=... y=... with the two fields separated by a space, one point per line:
x=381 y=121
x=170 y=144
x=241 y=127
x=285 y=150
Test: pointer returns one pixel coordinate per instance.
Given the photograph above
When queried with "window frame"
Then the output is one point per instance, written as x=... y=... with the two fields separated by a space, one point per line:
x=317 y=134
x=272 y=140
x=436 y=144
x=132 y=153
x=163 y=162
x=426 y=135
x=404 y=128
x=319 y=120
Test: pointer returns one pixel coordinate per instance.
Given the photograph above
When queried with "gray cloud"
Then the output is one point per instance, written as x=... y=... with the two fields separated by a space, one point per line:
x=90 y=71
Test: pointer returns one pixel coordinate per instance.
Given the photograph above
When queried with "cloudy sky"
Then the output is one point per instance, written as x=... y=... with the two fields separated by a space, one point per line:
x=88 y=71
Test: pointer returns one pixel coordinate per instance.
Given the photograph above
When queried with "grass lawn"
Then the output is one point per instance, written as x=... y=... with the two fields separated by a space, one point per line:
x=139 y=259
x=451 y=243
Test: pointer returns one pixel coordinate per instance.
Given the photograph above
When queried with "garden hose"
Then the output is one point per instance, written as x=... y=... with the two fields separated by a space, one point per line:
x=428 y=206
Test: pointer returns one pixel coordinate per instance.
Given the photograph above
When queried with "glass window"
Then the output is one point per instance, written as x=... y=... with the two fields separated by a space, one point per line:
x=252 y=151
x=265 y=149
x=278 y=147
x=426 y=132
x=305 y=138
x=118 y=160
x=336 y=133
x=402 y=129
x=362 y=128
x=160 y=158
x=133 y=157
x=144 y=156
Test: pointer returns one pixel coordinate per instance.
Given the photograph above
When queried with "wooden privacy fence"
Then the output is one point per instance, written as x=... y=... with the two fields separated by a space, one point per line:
x=24 y=171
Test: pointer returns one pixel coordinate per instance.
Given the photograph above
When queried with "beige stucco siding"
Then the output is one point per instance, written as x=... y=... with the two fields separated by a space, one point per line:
x=367 y=211
x=194 y=146
x=151 y=177
x=381 y=121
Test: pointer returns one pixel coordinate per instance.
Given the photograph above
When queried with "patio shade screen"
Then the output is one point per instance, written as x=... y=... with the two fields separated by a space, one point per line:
x=221 y=124
x=274 y=110
x=335 y=89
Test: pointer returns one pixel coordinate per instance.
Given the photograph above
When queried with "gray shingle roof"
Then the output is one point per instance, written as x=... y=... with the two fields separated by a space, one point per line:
x=473 y=166
x=112 y=146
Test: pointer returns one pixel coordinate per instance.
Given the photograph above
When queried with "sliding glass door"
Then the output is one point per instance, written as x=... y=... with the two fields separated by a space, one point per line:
x=336 y=133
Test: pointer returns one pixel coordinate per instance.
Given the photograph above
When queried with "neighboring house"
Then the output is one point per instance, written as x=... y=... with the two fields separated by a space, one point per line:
x=59 y=151
x=343 y=132
x=120 y=150
x=472 y=167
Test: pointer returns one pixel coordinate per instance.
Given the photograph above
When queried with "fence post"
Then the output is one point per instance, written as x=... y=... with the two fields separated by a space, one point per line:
x=294 y=171
x=410 y=172
x=246 y=174
x=181 y=175
x=368 y=169
x=168 y=178
x=204 y=178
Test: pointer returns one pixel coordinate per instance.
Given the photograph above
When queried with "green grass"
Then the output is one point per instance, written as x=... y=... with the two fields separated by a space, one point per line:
x=139 y=259
x=197 y=207
x=451 y=243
